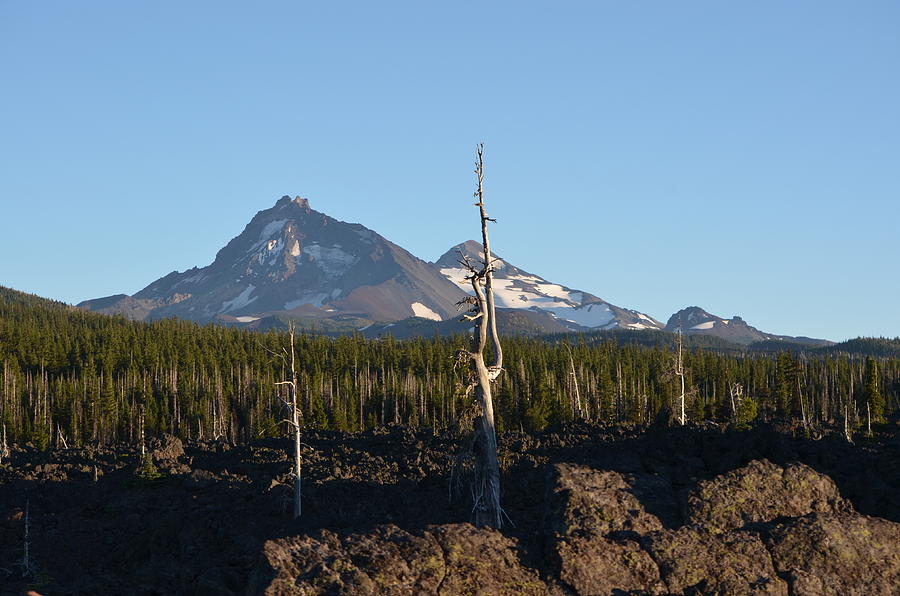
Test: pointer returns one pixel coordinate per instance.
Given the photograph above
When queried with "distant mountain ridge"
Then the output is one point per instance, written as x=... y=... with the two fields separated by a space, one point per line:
x=293 y=262
x=694 y=320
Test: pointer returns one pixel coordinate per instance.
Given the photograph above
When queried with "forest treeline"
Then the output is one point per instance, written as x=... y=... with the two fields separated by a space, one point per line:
x=71 y=376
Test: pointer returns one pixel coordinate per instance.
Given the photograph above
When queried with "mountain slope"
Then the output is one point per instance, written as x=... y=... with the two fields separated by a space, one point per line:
x=294 y=260
x=515 y=288
x=694 y=320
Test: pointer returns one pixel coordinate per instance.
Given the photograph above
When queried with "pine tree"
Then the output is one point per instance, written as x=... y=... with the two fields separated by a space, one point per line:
x=872 y=394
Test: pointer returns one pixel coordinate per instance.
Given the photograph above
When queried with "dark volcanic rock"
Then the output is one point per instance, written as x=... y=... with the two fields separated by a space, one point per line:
x=485 y=562
x=759 y=492
x=166 y=448
x=844 y=553
x=728 y=563
x=448 y=559
x=587 y=510
x=361 y=564
x=588 y=502
x=672 y=510
x=602 y=566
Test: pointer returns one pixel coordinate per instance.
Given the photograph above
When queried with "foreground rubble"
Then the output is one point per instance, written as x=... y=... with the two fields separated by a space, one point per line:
x=597 y=510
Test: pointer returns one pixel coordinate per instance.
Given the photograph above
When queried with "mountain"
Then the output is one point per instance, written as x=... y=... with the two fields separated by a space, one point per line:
x=515 y=288
x=292 y=262
x=296 y=262
x=694 y=320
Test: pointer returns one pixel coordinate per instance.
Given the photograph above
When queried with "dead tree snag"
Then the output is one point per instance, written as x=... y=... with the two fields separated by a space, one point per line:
x=296 y=413
x=486 y=470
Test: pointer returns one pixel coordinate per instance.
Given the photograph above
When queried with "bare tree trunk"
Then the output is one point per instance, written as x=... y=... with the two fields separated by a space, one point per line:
x=680 y=372
x=61 y=437
x=4 y=448
x=847 y=425
x=736 y=391
x=294 y=421
x=486 y=485
x=619 y=395
x=577 y=411
x=868 y=420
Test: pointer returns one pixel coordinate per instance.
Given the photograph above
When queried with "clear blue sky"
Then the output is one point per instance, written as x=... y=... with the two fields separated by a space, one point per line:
x=739 y=156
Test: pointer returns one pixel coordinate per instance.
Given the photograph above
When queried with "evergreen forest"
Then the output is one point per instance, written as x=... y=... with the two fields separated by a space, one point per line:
x=70 y=377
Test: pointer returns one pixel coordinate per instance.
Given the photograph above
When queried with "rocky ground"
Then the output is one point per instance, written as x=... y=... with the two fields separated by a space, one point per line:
x=593 y=510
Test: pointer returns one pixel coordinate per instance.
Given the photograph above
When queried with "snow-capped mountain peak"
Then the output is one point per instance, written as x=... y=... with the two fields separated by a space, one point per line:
x=516 y=288
x=294 y=260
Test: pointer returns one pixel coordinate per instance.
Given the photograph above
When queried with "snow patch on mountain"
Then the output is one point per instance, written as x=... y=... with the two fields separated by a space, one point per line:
x=458 y=276
x=519 y=291
x=597 y=314
x=515 y=288
x=557 y=291
x=331 y=259
x=423 y=311
x=240 y=301
x=706 y=325
x=270 y=229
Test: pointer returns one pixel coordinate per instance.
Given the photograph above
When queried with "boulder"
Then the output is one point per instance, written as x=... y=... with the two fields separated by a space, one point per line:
x=592 y=523
x=599 y=565
x=166 y=448
x=697 y=561
x=842 y=554
x=583 y=501
x=446 y=559
x=760 y=492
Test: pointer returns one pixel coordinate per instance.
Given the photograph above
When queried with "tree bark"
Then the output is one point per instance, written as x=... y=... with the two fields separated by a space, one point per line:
x=680 y=372
x=486 y=490
x=295 y=423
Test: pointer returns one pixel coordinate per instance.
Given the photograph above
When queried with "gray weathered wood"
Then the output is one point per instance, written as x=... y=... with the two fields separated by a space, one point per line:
x=487 y=511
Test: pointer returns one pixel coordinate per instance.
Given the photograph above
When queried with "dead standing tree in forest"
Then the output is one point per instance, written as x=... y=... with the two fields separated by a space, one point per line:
x=486 y=468
x=296 y=413
x=679 y=372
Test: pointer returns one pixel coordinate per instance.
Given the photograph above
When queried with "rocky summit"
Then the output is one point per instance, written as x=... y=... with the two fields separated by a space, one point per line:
x=297 y=262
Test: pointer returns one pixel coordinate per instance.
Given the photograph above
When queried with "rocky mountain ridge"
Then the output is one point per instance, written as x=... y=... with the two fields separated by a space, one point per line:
x=296 y=262
x=292 y=262
x=515 y=288
x=694 y=320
